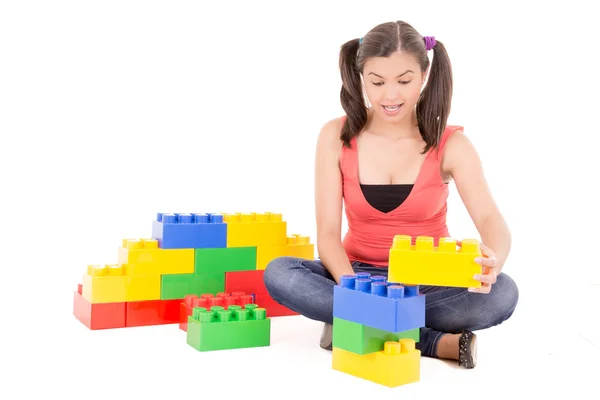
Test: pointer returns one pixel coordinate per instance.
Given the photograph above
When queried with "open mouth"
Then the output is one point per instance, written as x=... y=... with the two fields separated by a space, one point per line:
x=392 y=109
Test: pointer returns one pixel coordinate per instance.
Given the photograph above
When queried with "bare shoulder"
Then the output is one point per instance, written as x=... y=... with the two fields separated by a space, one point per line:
x=459 y=150
x=329 y=136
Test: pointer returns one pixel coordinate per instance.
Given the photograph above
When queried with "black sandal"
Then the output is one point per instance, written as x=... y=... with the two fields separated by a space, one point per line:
x=467 y=349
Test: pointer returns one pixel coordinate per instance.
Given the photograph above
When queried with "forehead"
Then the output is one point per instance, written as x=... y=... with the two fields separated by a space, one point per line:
x=391 y=66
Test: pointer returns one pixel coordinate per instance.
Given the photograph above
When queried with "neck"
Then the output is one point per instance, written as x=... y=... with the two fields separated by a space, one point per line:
x=404 y=129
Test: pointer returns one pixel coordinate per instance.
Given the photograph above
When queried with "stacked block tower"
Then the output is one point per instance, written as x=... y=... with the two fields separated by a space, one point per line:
x=377 y=320
x=218 y=257
x=375 y=327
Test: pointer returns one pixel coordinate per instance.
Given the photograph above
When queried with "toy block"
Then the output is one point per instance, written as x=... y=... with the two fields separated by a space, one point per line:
x=301 y=247
x=399 y=363
x=177 y=286
x=362 y=339
x=375 y=302
x=424 y=264
x=189 y=231
x=297 y=246
x=98 y=316
x=208 y=300
x=109 y=284
x=152 y=312
x=255 y=229
x=273 y=308
x=245 y=281
x=235 y=328
x=266 y=254
x=225 y=259
x=144 y=257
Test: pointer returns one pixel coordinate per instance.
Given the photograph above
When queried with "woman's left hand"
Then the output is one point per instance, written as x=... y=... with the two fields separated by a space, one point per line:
x=489 y=269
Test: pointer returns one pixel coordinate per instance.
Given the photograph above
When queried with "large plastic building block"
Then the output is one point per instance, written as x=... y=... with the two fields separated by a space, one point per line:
x=189 y=231
x=274 y=309
x=98 y=316
x=225 y=259
x=108 y=284
x=235 y=328
x=424 y=264
x=255 y=229
x=362 y=339
x=266 y=254
x=177 y=286
x=245 y=281
x=152 y=312
x=209 y=300
x=297 y=246
x=399 y=363
x=144 y=257
x=372 y=301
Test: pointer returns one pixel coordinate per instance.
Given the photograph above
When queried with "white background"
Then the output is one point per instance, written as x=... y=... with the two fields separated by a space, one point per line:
x=112 y=111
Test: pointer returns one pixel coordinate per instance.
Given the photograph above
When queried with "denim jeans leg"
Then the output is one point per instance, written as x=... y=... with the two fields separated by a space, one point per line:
x=304 y=286
x=451 y=310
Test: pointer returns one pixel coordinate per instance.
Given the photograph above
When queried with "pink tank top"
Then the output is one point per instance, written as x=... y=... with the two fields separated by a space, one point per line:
x=371 y=232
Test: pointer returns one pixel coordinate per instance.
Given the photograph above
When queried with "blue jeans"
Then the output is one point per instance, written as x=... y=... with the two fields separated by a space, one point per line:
x=306 y=287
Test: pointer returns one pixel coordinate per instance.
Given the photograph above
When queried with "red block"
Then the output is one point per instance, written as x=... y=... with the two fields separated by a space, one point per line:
x=152 y=312
x=245 y=281
x=98 y=316
x=274 y=309
x=208 y=300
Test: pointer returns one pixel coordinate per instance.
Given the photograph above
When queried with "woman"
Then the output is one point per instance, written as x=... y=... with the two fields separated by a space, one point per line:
x=388 y=163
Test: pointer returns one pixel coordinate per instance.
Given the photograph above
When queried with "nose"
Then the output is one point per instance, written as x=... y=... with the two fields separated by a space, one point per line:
x=391 y=93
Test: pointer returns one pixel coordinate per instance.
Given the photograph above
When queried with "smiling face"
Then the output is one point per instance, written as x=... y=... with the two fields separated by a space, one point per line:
x=393 y=85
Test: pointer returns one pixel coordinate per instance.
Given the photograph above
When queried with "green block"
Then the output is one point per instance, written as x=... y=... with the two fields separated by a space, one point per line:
x=235 y=328
x=177 y=286
x=225 y=259
x=362 y=339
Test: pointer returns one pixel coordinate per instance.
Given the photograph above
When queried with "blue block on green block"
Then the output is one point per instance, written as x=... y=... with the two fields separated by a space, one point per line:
x=189 y=231
x=374 y=302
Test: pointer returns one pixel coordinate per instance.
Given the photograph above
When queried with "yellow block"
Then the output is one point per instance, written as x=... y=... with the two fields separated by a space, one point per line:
x=108 y=284
x=298 y=246
x=255 y=229
x=424 y=264
x=397 y=364
x=144 y=257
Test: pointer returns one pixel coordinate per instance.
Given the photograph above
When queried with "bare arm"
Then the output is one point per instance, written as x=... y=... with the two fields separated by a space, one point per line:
x=462 y=162
x=328 y=201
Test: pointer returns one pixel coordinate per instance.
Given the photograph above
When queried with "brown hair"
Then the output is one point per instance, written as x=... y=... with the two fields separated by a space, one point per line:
x=433 y=106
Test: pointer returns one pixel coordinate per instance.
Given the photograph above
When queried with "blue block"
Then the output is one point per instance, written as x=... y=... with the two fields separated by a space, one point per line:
x=374 y=302
x=189 y=231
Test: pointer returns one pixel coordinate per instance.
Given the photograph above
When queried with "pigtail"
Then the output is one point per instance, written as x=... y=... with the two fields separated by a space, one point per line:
x=351 y=95
x=433 y=107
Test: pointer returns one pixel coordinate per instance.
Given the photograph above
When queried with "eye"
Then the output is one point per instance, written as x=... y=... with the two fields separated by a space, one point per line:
x=405 y=82
x=377 y=83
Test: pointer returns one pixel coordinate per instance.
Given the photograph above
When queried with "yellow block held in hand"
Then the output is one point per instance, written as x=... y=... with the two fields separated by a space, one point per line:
x=425 y=264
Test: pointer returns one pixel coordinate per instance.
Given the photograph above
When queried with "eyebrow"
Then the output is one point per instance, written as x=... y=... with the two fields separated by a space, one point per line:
x=405 y=72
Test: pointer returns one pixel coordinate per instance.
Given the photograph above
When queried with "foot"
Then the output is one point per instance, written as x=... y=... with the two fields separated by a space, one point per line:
x=467 y=350
x=327 y=337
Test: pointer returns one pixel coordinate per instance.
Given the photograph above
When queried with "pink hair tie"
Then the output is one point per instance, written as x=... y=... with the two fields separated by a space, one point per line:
x=429 y=42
